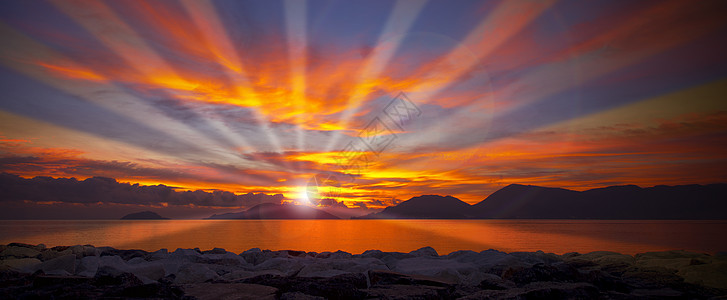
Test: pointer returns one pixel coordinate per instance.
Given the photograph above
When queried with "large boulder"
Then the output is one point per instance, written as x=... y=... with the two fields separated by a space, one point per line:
x=444 y=269
x=64 y=265
x=288 y=266
x=194 y=273
x=225 y=258
x=712 y=275
x=424 y=251
x=87 y=266
x=24 y=265
x=19 y=252
x=205 y=291
x=541 y=290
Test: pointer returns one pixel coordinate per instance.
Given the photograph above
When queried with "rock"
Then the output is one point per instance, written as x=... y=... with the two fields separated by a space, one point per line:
x=194 y=273
x=240 y=274
x=204 y=291
x=444 y=269
x=538 y=257
x=87 y=266
x=669 y=255
x=345 y=286
x=489 y=261
x=652 y=278
x=136 y=260
x=50 y=254
x=115 y=262
x=380 y=277
x=53 y=280
x=288 y=266
x=408 y=292
x=663 y=293
x=109 y=276
x=26 y=265
x=254 y=256
x=159 y=254
x=712 y=275
x=542 y=290
x=494 y=282
x=463 y=255
x=91 y=251
x=542 y=272
x=299 y=296
x=227 y=258
x=340 y=255
x=24 y=245
x=215 y=251
x=19 y=252
x=148 y=270
x=425 y=251
x=66 y=263
x=334 y=267
x=124 y=254
x=187 y=255
x=372 y=253
x=295 y=253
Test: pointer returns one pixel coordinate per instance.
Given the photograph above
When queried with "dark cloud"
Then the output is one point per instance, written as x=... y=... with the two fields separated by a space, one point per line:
x=108 y=190
x=328 y=202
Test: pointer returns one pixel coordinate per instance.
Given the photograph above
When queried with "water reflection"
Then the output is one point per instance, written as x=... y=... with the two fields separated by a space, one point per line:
x=356 y=236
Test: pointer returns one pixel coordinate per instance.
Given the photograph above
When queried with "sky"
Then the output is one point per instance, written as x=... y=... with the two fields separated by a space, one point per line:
x=353 y=104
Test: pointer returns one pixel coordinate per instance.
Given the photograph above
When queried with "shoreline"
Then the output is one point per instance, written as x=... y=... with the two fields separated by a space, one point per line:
x=88 y=271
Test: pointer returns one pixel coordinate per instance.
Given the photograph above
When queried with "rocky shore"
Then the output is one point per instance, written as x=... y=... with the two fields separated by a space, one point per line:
x=63 y=272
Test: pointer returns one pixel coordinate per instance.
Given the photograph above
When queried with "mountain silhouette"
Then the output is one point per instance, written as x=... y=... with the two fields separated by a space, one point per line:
x=516 y=201
x=426 y=207
x=144 y=215
x=277 y=211
x=614 y=202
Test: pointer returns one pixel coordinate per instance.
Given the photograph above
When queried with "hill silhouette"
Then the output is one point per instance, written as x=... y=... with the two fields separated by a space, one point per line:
x=144 y=215
x=277 y=211
x=426 y=207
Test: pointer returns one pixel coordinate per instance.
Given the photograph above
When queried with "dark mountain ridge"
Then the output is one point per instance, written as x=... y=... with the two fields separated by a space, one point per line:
x=516 y=201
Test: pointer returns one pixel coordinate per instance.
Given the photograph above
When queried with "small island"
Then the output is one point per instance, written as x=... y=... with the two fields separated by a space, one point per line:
x=144 y=215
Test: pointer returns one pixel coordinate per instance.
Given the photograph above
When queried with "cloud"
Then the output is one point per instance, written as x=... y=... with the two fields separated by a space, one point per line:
x=42 y=189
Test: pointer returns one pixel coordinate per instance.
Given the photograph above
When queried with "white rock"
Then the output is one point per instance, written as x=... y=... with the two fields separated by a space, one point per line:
x=194 y=273
x=113 y=261
x=91 y=251
x=87 y=266
x=24 y=265
x=150 y=270
x=136 y=260
x=66 y=263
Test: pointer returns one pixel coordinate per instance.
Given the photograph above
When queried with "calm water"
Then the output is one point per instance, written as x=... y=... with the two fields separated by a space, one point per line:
x=356 y=236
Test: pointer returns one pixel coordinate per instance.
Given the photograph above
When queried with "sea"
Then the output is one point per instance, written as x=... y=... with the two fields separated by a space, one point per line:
x=357 y=236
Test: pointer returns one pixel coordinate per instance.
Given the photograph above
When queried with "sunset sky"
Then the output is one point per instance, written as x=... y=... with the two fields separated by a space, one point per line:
x=260 y=96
